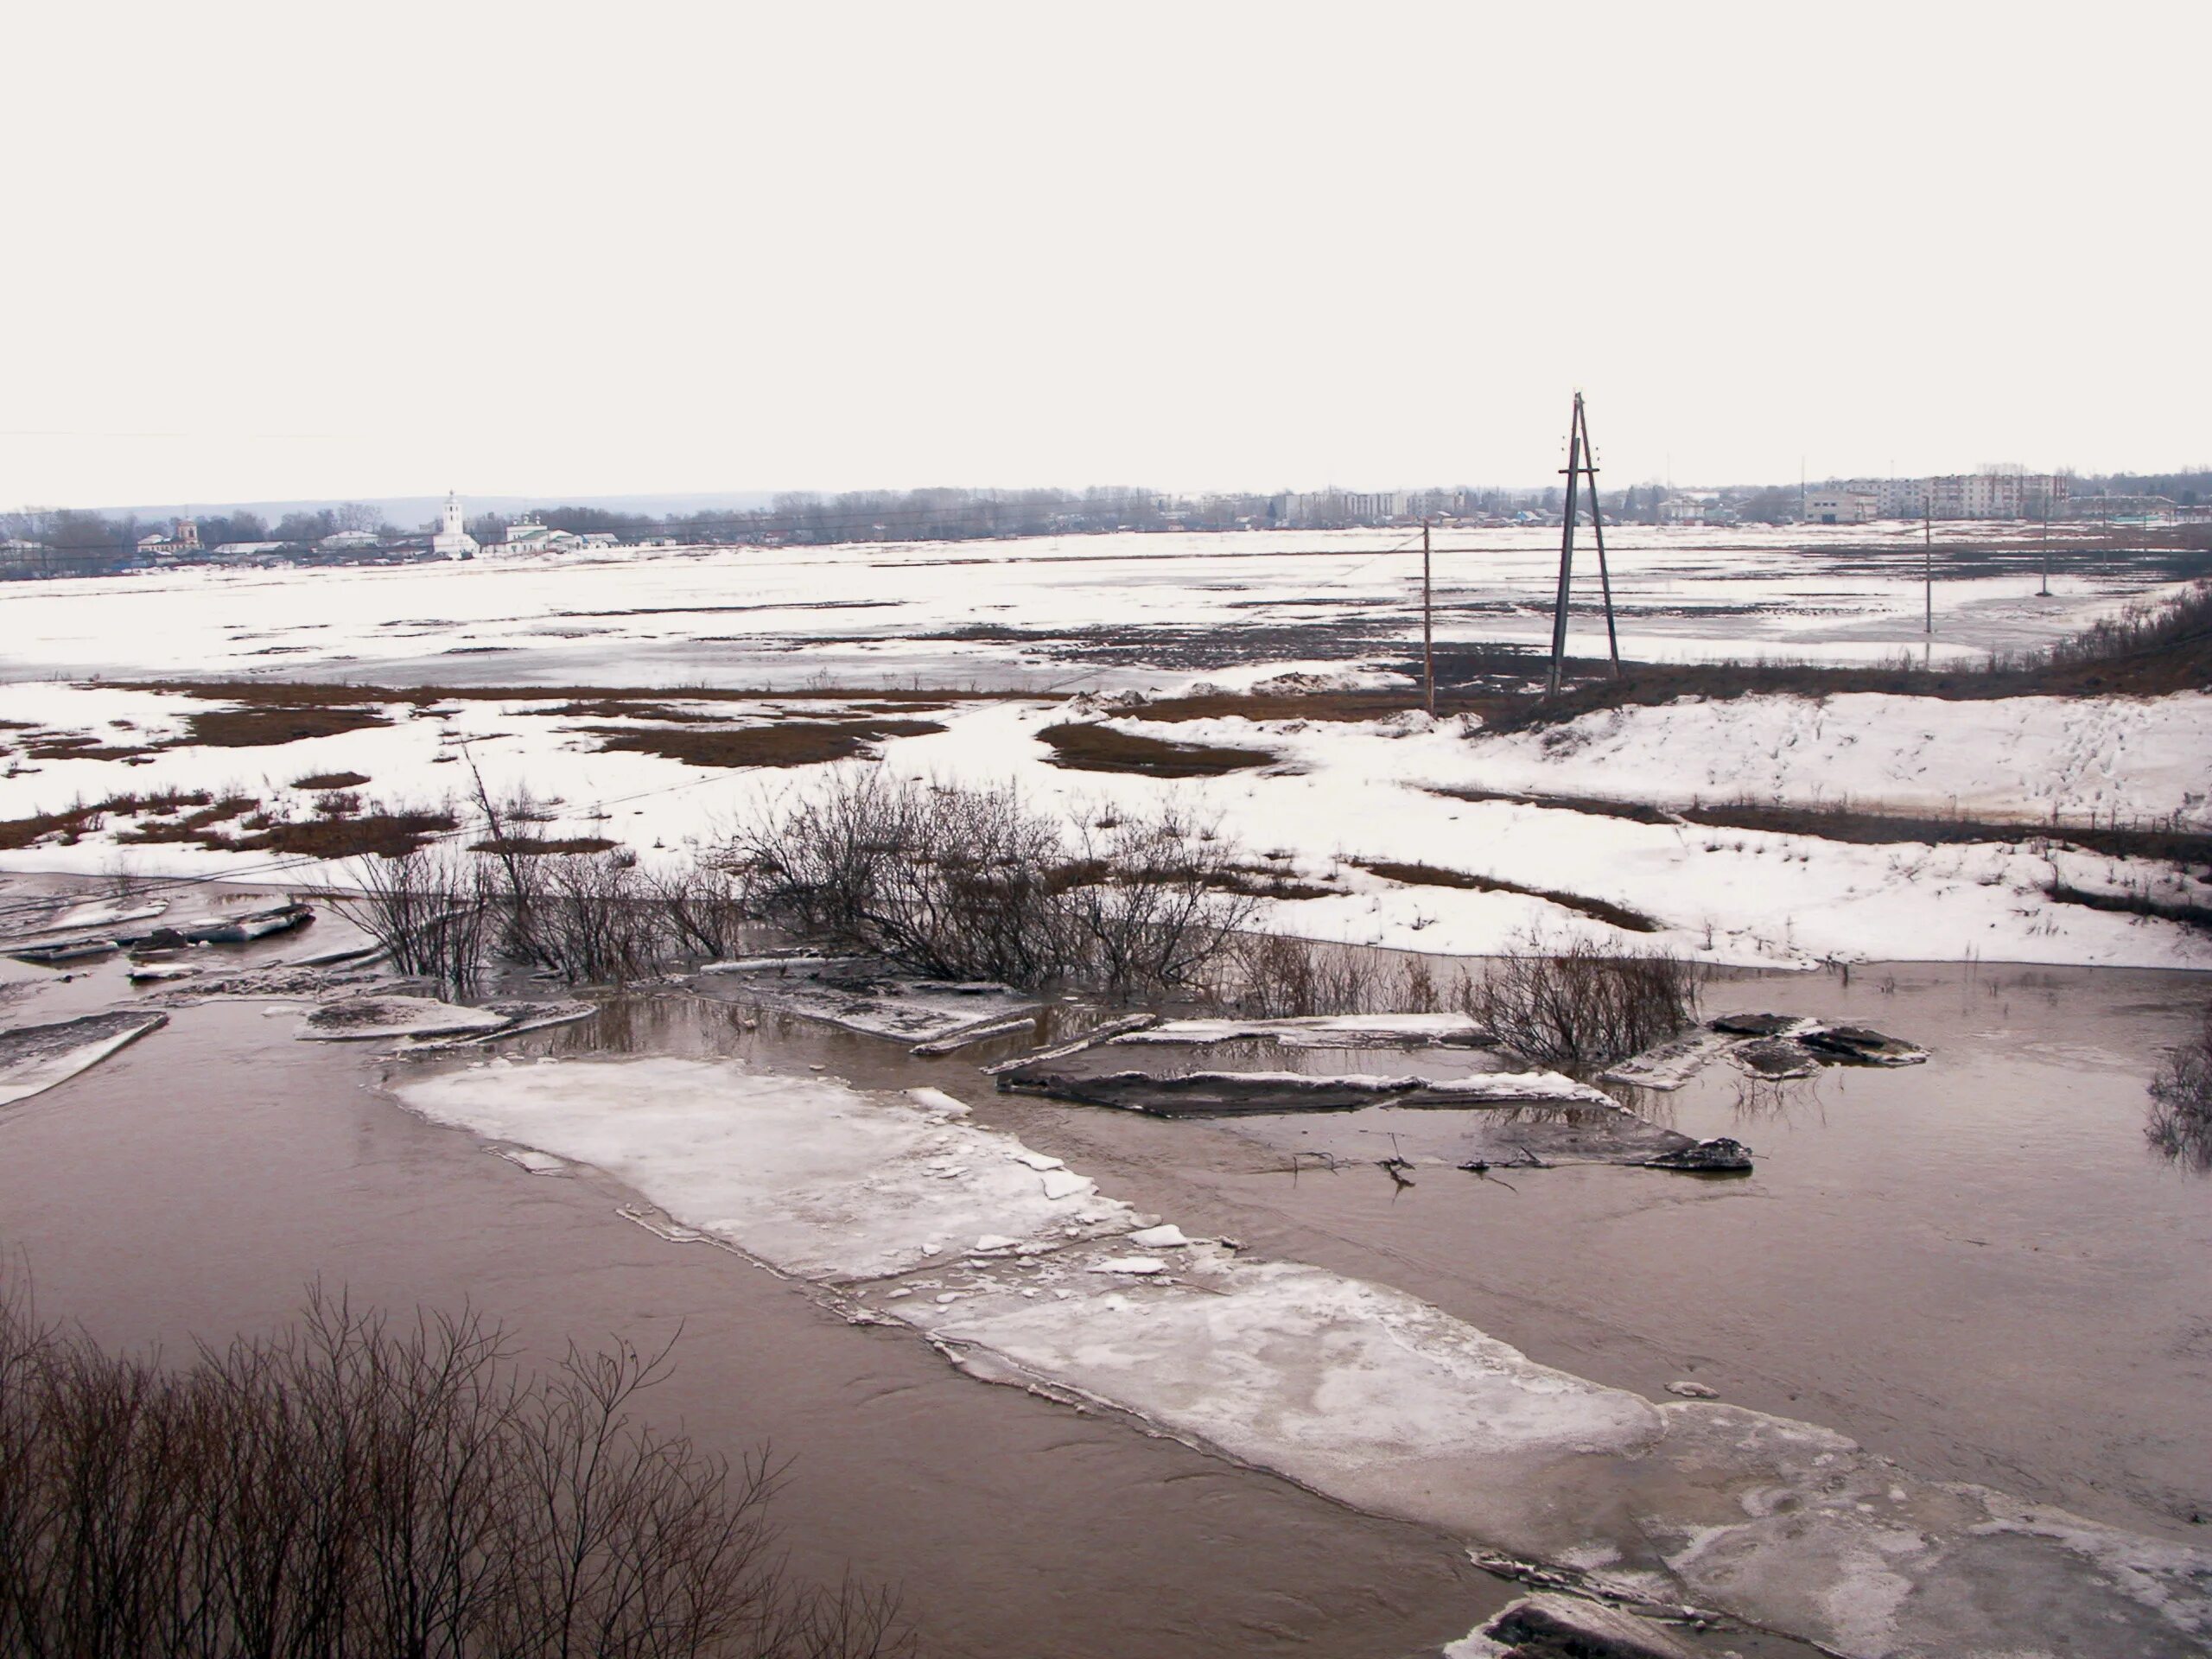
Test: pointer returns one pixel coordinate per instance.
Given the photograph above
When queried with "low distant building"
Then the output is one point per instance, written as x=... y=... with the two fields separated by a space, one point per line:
x=350 y=541
x=2126 y=509
x=1689 y=507
x=453 y=540
x=529 y=537
x=182 y=539
x=1845 y=507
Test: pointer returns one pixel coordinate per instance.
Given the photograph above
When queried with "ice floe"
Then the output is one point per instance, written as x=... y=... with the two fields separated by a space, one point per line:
x=369 y=1018
x=1357 y=1389
x=34 y=1058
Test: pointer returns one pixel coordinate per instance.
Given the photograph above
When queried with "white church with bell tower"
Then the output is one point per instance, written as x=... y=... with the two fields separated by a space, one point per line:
x=453 y=541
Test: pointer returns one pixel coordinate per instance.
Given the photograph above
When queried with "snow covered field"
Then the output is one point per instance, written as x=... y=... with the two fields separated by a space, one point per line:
x=1092 y=610
x=1087 y=613
x=1337 y=792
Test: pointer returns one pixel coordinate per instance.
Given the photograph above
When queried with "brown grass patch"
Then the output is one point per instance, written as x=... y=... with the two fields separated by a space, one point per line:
x=48 y=746
x=195 y=826
x=261 y=726
x=787 y=743
x=2134 y=903
x=307 y=693
x=1597 y=805
x=1430 y=875
x=524 y=847
x=386 y=835
x=1102 y=749
x=82 y=818
x=331 y=780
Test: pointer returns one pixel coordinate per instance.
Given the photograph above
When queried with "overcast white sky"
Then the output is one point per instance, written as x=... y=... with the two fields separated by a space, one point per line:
x=302 y=250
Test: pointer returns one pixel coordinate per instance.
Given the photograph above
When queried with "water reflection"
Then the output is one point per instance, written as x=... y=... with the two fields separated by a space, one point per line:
x=2179 y=1123
x=1780 y=1100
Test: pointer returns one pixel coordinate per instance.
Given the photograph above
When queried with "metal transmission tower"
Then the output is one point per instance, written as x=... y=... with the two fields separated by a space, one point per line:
x=1581 y=464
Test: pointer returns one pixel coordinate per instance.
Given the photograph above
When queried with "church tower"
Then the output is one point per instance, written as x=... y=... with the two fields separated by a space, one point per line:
x=453 y=541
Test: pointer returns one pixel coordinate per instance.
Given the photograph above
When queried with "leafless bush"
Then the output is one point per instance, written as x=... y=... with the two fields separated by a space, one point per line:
x=703 y=905
x=348 y=1486
x=1579 y=1005
x=1268 y=976
x=966 y=883
x=595 y=919
x=2180 y=1122
x=1151 y=895
x=428 y=908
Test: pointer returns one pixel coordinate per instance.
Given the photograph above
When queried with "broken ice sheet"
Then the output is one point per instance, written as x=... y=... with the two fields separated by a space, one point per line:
x=33 y=1059
x=813 y=1176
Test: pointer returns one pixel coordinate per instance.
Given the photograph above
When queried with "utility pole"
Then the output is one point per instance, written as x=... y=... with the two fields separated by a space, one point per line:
x=2046 y=542
x=1928 y=564
x=1566 y=547
x=1582 y=462
x=1427 y=628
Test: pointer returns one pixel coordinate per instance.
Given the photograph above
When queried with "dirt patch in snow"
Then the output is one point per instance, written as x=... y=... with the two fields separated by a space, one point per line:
x=1102 y=749
x=787 y=743
x=1429 y=875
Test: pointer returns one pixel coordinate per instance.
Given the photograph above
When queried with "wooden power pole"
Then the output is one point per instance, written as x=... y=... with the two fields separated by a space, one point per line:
x=1581 y=464
x=1427 y=626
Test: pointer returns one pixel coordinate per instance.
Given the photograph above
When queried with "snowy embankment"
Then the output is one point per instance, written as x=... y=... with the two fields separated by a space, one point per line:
x=1332 y=798
x=1023 y=1272
x=2133 y=760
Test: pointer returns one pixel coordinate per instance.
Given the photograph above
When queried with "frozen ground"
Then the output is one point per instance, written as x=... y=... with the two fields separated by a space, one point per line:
x=1097 y=610
x=1338 y=792
x=1021 y=1271
x=1161 y=612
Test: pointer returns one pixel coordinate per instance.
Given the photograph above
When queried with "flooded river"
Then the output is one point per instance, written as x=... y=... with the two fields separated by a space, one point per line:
x=1976 y=1266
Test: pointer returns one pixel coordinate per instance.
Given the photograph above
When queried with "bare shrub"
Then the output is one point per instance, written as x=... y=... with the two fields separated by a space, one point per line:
x=965 y=883
x=353 y=1486
x=2180 y=1122
x=1268 y=976
x=593 y=917
x=1579 y=1005
x=703 y=905
x=428 y=907
x=1153 y=897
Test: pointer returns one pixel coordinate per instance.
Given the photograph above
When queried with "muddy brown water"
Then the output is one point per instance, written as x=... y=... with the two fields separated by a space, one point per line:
x=1975 y=1266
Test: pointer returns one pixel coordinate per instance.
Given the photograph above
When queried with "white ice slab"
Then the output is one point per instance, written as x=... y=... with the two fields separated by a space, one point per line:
x=33 y=1059
x=813 y=1176
x=367 y=1019
x=1322 y=1031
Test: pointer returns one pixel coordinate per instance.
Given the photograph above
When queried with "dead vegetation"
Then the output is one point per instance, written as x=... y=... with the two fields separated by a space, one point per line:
x=784 y=743
x=320 y=780
x=265 y=724
x=2132 y=901
x=1577 y=1006
x=430 y=907
x=971 y=884
x=1430 y=875
x=2153 y=647
x=2180 y=1122
x=354 y=1486
x=1086 y=747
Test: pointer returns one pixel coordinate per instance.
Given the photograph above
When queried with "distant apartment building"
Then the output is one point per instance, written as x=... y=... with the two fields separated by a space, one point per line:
x=1997 y=493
